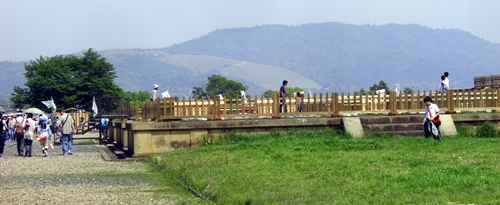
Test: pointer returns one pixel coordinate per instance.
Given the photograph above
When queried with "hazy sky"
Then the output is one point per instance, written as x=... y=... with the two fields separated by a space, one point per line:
x=30 y=28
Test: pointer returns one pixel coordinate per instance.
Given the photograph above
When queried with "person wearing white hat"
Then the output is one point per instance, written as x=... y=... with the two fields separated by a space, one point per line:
x=152 y=96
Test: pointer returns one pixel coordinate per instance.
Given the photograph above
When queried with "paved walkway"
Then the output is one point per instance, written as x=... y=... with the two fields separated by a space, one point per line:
x=82 y=178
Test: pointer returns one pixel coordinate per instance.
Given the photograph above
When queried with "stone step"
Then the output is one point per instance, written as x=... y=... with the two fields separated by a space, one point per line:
x=116 y=152
x=414 y=133
x=393 y=127
x=391 y=119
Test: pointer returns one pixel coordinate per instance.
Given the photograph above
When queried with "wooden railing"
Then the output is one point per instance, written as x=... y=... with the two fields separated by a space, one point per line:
x=492 y=81
x=169 y=109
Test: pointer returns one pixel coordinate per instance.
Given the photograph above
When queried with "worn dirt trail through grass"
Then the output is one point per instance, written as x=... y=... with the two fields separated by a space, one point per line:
x=82 y=178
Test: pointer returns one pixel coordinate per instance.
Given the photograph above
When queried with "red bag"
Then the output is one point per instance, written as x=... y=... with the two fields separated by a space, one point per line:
x=436 y=120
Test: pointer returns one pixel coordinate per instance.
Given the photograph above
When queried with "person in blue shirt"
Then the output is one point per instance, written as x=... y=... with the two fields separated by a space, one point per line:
x=44 y=135
x=103 y=126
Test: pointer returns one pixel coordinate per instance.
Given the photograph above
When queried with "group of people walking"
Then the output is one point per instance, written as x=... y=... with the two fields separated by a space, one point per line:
x=24 y=128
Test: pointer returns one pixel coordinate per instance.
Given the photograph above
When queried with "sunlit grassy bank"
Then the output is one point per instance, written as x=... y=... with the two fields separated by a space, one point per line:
x=311 y=167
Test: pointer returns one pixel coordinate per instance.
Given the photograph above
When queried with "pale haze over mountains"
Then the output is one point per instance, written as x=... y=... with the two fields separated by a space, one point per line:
x=323 y=57
x=406 y=42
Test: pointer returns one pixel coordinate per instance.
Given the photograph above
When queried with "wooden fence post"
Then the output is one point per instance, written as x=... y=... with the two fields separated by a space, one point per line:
x=216 y=111
x=451 y=103
x=335 y=105
x=158 y=111
x=393 y=103
x=498 y=97
x=276 y=107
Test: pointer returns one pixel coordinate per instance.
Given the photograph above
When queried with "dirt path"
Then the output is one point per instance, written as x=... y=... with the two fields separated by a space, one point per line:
x=82 y=178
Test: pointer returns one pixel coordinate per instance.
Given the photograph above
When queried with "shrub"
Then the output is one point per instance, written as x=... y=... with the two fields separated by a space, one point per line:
x=464 y=131
x=486 y=130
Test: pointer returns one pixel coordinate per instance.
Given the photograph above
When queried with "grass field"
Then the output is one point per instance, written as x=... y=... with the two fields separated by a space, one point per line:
x=327 y=167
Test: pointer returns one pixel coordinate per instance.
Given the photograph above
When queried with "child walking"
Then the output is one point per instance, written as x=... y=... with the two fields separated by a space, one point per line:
x=300 y=96
x=44 y=135
x=431 y=123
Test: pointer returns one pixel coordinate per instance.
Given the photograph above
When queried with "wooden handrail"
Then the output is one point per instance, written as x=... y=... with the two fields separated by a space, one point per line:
x=329 y=104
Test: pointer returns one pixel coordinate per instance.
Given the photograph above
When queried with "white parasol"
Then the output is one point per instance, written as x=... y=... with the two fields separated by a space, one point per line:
x=165 y=94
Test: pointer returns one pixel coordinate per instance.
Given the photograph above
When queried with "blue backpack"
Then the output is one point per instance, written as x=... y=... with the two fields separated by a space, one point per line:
x=43 y=127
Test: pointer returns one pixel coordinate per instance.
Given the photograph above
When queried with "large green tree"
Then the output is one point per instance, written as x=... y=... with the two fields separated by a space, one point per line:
x=290 y=91
x=70 y=80
x=408 y=90
x=271 y=93
x=137 y=98
x=219 y=85
x=381 y=85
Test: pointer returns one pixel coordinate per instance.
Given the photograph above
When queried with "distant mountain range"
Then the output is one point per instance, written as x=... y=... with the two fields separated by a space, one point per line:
x=323 y=57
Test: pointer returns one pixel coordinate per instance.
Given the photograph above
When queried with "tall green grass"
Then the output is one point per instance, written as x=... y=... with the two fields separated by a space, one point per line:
x=484 y=130
x=329 y=167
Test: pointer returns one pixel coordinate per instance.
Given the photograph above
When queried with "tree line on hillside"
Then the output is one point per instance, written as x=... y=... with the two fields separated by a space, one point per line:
x=75 y=80
x=342 y=57
x=382 y=85
x=72 y=80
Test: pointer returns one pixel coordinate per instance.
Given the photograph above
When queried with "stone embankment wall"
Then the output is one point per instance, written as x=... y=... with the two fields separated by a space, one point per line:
x=140 y=139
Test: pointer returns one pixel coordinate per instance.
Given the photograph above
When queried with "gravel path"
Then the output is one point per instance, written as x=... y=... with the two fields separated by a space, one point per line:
x=82 y=178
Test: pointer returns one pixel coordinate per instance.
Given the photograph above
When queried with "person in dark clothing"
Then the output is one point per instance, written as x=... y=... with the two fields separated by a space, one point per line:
x=19 y=135
x=2 y=136
x=282 y=94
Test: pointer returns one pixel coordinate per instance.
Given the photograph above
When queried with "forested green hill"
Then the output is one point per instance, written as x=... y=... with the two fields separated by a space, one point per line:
x=346 y=57
x=325 y=57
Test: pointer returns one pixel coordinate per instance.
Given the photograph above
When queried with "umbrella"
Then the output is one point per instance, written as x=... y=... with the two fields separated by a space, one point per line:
x=34 y=110
x=165 y=94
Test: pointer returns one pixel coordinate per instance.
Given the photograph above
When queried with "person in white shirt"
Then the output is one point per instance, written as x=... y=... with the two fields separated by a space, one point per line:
x=152 y=96
x=431 y=113
x=30 y=130
x=446 y=80
x=443 y=86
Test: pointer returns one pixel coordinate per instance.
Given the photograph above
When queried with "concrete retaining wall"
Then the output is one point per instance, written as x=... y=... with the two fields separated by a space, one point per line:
x=145 y=138
x=141 y=139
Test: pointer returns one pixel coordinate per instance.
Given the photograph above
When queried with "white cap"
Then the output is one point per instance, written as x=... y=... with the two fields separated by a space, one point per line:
x=155 y=86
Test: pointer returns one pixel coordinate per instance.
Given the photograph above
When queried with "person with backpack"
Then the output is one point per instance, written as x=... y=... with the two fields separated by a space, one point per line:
x=19 y=133
x=67 y=128
x=44 y=135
